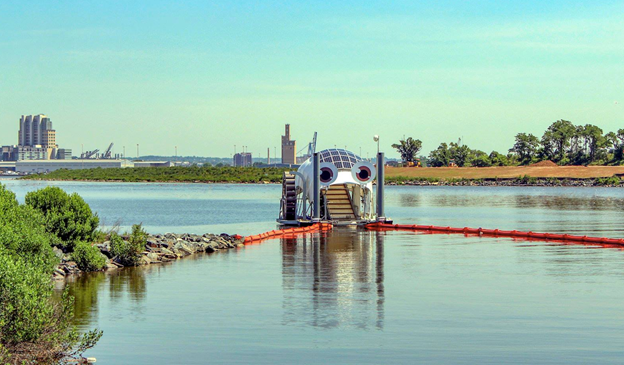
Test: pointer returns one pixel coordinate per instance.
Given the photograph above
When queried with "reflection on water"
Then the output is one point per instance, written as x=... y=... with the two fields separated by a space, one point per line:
x=129 y=282
x=351 y=296
x=568 y=202
x=516 y=198
x=334 y=279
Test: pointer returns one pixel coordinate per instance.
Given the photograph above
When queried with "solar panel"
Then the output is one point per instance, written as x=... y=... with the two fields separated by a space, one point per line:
x=341 y=158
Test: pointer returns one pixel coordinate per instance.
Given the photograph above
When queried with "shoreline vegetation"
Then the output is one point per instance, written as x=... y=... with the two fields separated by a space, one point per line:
x=54 y=235
x=535 y=175
x=191 y=174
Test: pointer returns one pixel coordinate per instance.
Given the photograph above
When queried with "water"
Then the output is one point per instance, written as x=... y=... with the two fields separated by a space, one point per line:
x=353 y=296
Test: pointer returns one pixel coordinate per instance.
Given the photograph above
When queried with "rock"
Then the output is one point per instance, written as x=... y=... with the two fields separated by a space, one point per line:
x=153 y=257
x=105 y=249
x=210 y=249
x=59 y=272
x=58 y=252
x=181 y=247
x=111 y=266
x=144 y=261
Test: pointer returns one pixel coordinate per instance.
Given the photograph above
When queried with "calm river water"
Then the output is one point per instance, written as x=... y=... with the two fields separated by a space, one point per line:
x=352 y=296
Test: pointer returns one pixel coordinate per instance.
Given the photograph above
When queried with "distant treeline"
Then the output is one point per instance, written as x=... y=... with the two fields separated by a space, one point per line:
x=170 y=174
x=563 y=143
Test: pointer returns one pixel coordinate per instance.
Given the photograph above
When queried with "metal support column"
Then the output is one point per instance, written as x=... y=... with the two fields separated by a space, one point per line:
x=380 y=187
x=316 y=208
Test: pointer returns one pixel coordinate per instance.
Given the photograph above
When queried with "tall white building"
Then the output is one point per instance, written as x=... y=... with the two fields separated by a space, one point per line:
x=36 y=130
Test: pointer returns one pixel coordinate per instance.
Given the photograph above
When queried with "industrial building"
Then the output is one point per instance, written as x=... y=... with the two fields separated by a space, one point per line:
x=36 y=140
x=243 y=159
x=39 y=166
x=289 y=148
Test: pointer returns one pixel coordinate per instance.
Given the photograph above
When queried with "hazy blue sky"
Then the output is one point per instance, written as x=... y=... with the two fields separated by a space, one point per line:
x=208 y=75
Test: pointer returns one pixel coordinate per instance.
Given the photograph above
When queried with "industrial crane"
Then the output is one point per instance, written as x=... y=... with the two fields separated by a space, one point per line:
x=107 y=154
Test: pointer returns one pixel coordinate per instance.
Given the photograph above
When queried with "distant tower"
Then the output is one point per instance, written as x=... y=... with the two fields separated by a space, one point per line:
x=289 y=148
x=36 y=138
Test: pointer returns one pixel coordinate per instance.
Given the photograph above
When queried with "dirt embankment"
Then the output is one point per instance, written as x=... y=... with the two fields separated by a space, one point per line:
x=505 y=172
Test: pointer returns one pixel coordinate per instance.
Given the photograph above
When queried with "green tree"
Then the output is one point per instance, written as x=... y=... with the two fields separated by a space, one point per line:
x=460 y=154
x=440 y=156
x=480 y=159
x=498 y=159
x=576 y=153
x=594 y=140
x=408 y=149
x=66 y=216
x=557 y=137
x=619 y=146
x=526 y=147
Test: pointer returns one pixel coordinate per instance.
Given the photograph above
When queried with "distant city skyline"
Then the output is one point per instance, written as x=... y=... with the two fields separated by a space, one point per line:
x=207 y=76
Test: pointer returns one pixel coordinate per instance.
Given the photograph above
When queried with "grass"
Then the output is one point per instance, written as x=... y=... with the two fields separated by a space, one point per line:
x=169 y=174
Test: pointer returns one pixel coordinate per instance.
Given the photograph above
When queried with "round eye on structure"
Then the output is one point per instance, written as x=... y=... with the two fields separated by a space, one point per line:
x=326 y=174
x=363 y=172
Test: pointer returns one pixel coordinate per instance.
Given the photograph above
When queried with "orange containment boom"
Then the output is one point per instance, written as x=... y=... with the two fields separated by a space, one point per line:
x=288 y=232
x=500 y=233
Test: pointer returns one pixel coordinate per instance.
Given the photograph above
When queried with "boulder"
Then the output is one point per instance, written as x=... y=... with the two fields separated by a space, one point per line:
x=58 y=253
x=105 y=249
x=153 y=257
x=180 y=247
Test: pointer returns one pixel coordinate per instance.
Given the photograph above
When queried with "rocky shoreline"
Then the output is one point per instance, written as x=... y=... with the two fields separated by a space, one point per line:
x=159 y=249
x=543 y=182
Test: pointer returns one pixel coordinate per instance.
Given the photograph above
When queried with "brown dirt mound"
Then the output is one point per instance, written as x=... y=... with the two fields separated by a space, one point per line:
x=546 y=163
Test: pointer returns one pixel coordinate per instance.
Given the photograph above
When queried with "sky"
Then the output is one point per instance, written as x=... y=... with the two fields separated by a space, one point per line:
x=207 y=76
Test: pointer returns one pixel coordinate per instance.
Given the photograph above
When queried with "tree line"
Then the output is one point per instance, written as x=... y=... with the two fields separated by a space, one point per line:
x=563 y=143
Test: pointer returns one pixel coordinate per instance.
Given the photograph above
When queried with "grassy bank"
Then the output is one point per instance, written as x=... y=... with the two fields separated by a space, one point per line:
x=169 y=174
x=503 y=172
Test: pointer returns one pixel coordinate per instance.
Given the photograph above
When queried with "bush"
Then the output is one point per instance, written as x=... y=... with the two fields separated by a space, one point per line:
x=22 y=232
x=612 y=181
x=128 y=252
x=25 y=292
x=34 y=327
x=66 y=216
x=88 y=257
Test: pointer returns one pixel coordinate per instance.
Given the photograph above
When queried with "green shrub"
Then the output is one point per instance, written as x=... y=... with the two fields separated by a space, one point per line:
x=613 y=180
x=25 y=293
x=88 y=257
x=35 y=328
x=22 y=232
x=66 y=216
x=128 y=252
